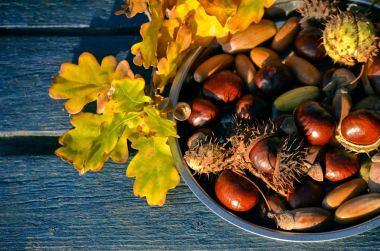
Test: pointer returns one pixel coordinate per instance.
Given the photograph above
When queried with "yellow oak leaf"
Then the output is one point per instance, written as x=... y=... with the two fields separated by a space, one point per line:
x=153 y=168
x=133 y=7
x=221 y=9
x=149 y=122
x=87 y=81
x=145 y=51
x=93 y=141
x=248 y=11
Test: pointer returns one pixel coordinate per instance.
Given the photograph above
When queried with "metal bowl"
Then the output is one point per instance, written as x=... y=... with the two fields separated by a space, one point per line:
x=180 y=85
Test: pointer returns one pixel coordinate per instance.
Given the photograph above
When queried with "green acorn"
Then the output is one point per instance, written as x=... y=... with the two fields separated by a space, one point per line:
x=350 y=38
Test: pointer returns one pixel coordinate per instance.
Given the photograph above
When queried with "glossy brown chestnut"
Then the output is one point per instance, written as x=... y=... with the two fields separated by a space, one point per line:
x=307 y=194
x=273 y=79
x=224 y=86
x=203 y=112
x=264 y=154
x=308 y=44
x=327 y=76
x=361 y=127
x=251 y=107
x=373 y=75
x=235 y=192
x=340 y=165
x=201 y=136
x=315 y=122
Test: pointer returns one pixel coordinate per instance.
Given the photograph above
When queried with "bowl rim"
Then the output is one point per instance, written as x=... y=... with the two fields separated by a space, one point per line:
x=228 y=216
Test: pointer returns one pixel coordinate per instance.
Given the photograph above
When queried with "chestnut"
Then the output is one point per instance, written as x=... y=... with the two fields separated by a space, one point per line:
x=223 y=86
x=327 y=76
x=306 y=194
x=251 y=107
x=201 y=136
x=315 y=122
x=264 y=154
x=203 y=112
x=308 y=44
x=236 y=192
x=361 y=127
x=373 y=75
x=274 y=79
x=340 y=165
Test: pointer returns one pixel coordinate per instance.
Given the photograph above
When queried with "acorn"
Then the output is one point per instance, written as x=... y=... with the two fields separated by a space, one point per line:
x=303 y=219
x=350 y=38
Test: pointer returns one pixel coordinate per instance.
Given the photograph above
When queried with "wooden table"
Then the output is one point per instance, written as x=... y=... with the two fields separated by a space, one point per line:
x=44 y=203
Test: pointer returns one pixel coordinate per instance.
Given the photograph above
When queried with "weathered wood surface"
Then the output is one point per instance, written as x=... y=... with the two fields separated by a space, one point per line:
x=79 y=14
x=28 y=64
x=45 y=204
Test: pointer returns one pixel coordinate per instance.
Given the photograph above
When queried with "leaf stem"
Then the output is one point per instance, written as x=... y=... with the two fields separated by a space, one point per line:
x=257 y=187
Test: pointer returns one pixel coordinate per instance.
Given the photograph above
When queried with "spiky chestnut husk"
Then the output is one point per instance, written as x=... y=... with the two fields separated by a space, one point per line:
x=315 y=12
x=350 y=38
x=214 y=158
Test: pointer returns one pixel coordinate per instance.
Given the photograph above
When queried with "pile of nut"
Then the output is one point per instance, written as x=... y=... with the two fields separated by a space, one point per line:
x=282 y=76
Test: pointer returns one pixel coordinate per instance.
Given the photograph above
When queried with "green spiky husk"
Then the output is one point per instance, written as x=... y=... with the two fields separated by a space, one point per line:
x=350 y=38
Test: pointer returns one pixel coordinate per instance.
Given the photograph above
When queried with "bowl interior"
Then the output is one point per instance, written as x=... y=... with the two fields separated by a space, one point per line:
x=184 y=88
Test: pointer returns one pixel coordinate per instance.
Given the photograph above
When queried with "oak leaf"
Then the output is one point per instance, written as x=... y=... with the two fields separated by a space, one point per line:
x=248 y=11
x=87 y=81
x=93 y=141
x=153 y=168
x=145 y=51
x=149 y=122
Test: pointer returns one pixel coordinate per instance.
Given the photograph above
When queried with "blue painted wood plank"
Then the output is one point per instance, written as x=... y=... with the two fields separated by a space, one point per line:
x=45 y=204
x=65 y=14
x=27 y=66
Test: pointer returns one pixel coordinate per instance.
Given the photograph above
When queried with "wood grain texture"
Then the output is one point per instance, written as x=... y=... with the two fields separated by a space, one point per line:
x=28 y=65
x=45 y=204
x=65 y=14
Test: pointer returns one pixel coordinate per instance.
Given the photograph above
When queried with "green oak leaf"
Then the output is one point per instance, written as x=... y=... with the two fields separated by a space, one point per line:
x=129 y=95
